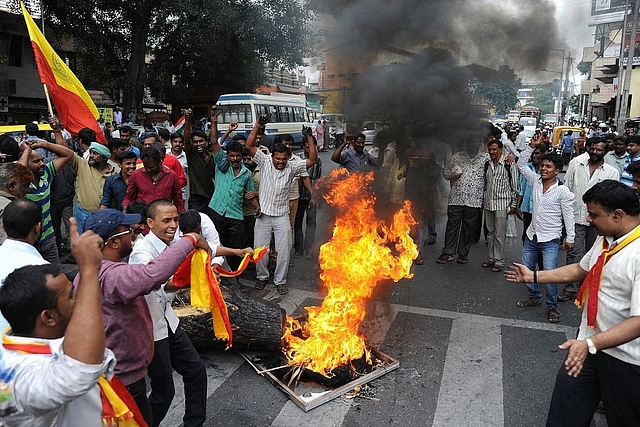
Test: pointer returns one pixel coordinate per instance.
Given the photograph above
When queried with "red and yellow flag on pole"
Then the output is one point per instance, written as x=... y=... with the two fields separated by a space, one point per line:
x=75 y=107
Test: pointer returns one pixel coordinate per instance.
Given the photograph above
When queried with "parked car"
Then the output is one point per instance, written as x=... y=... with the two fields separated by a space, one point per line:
x=370 y=130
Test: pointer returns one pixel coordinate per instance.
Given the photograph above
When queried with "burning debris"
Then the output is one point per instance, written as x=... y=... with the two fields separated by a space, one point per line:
x=362 y=252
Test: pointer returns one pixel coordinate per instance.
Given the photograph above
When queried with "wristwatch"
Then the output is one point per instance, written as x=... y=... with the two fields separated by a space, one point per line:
x=592 y=347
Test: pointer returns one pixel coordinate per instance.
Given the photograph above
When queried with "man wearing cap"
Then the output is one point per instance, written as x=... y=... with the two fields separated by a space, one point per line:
x=128 y=323
x=91 y=175
x=40 y=187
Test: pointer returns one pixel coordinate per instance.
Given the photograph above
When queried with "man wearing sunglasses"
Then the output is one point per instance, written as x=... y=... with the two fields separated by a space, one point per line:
x=128 y=323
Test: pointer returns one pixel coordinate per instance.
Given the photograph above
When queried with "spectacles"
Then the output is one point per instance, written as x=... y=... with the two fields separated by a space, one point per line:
x=122 y=233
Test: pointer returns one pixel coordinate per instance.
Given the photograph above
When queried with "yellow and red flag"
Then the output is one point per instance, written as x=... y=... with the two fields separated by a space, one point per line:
x=75 y=107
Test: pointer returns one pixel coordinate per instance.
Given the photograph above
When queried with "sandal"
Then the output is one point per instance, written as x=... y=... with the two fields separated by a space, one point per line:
x=282 y=289
x=553 y=316
x=496 y=268
x=242 y=289
x=261 y=284
x=487 y=264
x=529 y=303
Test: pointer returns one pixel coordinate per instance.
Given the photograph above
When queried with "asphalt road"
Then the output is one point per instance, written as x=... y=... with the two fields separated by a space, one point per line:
x=468 y=355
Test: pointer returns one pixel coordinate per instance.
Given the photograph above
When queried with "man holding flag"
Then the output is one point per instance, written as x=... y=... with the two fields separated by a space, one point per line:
x=604 y=362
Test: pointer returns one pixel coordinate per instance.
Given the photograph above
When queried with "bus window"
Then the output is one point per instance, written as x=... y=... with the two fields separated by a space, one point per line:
x=284 y=114
x=236 y=112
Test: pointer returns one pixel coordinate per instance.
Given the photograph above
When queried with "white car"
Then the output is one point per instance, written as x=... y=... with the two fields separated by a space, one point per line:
x=370 y=130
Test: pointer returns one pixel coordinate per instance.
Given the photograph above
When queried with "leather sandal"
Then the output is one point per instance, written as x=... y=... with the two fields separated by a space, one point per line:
x=529 y=303
x=282 y=289
x=261 y=284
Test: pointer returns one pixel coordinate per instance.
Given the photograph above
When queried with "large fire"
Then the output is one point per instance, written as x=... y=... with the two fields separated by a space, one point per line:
x=362 y=252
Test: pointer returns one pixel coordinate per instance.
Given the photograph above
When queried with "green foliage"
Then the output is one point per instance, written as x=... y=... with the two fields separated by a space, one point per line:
x=498 y=88
x=208 y=42
x=574 y=103
x=585 y=69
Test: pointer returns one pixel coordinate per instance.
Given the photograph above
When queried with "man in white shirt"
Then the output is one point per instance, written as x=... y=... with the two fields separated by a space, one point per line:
x=552 y=205
x=173 y=349
x=603 y=363
x=584 y=172
x=54 y=354
x=22 y=221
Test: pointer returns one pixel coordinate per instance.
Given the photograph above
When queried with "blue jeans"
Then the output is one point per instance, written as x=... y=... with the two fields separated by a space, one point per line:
x=81 y=216
x=549 y=252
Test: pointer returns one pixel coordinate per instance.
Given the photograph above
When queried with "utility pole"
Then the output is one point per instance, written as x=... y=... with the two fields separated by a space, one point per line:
x=624 y=102
x=620 y=61
x=565 y=90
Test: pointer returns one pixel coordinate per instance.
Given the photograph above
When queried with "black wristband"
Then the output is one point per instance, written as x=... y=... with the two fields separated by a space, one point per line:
x=535 y=276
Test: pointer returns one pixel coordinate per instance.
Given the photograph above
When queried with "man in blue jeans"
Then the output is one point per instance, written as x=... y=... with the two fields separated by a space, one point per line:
x=552 y=203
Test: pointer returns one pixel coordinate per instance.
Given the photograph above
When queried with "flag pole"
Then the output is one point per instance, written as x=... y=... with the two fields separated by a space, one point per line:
x=48 y=98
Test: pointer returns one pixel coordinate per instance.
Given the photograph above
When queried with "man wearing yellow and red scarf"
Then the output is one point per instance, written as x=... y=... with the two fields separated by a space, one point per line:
x=53 y=360
x=604 y=362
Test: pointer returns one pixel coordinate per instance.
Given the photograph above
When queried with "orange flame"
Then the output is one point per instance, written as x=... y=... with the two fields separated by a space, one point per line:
x=362 y=252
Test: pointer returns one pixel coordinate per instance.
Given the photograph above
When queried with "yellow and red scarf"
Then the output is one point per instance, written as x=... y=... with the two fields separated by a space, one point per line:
x=118 y=406
x=205 y=290
x=588 y=293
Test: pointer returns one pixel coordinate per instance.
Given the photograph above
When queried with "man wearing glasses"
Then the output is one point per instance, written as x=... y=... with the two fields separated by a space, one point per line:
x=128 y=323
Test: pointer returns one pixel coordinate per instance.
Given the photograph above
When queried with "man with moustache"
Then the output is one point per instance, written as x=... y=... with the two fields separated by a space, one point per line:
x=584 y=172
x=603 y=363
x=128 y=323
x=276 y=176
x=552 y=206
x=633 y=151
x=232 y=183
x=201 y=166
x=172 y=347
x=14 y=183
x=354 y=158
x=40 y=187
x=618 y=156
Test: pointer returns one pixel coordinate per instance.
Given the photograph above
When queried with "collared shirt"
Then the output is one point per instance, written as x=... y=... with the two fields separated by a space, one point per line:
x=54 y=389
x=619 y=295
x=210 y=234
x=521 y=141
x=468 y=190
x=524 y=190
x=626 y=178
x=15 y=254
x=500 y=187
x=142 y=188
x=247 y=207
x=182 y=159
x=89 y=184
x=201 y=174
x=550 y=207
x=113 y=192
x=579 y=179
x=230 y=188
x=352 y=161
x=159 y=301
x=170 y=162
x=617 y=162
x=275 y=184
x=41 y=194
x=566 y=145
x=126 y=315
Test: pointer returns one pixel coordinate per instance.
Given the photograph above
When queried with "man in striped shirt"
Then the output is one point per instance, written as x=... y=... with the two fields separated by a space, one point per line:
x=40 y=188
x=276 y=176
x=499 y=201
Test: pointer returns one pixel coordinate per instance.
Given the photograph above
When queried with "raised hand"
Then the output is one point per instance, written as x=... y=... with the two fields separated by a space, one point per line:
x=215 y=112
x=233 y=126
x=307 y=131
x=264 y=119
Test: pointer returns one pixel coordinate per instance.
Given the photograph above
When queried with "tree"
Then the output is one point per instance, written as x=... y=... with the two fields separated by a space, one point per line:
x=574 y=103
x=498 y=88
x=585 y=69
x=191 y=42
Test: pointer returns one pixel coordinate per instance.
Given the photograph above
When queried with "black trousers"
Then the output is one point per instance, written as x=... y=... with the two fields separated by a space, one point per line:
x=178 y=353
x=304 y=240
x=231 y=232
x=138 y=391
x=603 y=377
x=200 y=203
x=461 y=224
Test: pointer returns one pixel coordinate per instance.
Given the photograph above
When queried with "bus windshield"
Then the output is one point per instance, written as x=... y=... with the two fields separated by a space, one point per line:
x=241 y=113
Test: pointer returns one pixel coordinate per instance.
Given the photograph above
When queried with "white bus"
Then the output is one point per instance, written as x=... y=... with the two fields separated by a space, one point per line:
x=288 y=113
